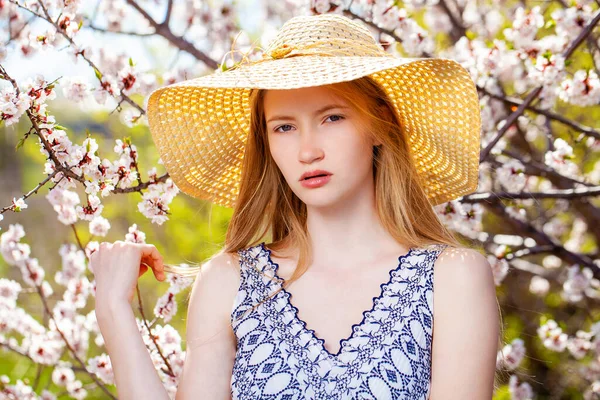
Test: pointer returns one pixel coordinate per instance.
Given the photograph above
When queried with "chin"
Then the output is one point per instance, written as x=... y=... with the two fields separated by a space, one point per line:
x=319 y=200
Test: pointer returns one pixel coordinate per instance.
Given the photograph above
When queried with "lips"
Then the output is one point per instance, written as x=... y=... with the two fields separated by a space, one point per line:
x=313 y=174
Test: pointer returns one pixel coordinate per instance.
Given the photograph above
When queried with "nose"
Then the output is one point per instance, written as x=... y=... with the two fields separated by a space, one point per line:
x=310 y=149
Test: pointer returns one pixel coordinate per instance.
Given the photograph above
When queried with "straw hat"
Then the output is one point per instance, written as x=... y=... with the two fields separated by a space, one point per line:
x=200 y=126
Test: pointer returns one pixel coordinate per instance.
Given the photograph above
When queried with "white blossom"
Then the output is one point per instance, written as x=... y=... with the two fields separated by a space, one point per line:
x=102 y=367
x=512 y=354
x=578 y=283
x=134 y=235
x=499 y=268
x=512 y=175
x=552 y=336
x=76 y=89
x=62 y=375
x=9 y=291
x=539 y=285
x=64 y=203
x=583 y=90
x=559 y=159
x=579 y=345
x=99 y=226
x=166 y=306
x=519 y=391
x=155 y=201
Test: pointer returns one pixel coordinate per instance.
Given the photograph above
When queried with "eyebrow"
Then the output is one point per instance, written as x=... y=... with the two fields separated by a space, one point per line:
x=317 y=112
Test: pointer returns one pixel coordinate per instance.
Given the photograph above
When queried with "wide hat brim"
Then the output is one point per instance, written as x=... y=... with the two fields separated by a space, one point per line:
x=200 y=126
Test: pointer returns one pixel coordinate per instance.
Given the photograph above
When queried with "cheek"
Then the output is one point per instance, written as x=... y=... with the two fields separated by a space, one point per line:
x=356 y=154
x=349 y=155
x=283 y=154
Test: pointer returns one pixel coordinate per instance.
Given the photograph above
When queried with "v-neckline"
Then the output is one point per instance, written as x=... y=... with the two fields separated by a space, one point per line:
x=374 y=302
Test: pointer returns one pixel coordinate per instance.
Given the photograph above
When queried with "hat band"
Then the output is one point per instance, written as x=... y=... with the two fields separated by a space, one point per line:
x=331 y=47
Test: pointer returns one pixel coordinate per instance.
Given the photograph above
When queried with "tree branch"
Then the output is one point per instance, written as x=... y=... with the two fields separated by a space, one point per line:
x=526 y=229
x=179 y=42
x=550 y=194
x=458 y=29
x=513 y=101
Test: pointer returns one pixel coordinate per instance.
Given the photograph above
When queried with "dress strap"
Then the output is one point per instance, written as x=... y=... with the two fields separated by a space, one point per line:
x=257 y=281
x=438 y=248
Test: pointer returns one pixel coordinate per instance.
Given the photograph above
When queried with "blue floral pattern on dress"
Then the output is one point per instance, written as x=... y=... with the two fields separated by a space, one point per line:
x=387 y=356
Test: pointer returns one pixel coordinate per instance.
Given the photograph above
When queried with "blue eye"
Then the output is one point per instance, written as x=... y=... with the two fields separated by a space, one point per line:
x=335 y=115
x=277 y=129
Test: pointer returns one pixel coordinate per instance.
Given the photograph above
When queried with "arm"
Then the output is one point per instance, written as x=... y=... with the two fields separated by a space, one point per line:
x=466 y=327
x=135 y=375
x=211 y=342
x=117 y=267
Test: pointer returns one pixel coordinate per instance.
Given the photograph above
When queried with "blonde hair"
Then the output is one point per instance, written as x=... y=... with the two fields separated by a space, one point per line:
x=267 y=205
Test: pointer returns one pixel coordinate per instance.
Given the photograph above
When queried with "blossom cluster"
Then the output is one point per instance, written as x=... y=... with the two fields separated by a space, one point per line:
x=67 y=329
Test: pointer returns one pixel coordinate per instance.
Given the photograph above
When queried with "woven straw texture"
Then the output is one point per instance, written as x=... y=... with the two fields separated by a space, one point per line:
x=200 y=125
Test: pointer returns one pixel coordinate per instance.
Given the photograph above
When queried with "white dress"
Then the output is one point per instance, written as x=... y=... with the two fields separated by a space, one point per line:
x=387 y=356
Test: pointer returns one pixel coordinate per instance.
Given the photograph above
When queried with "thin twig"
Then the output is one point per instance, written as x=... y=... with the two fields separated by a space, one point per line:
x=550 y=194
x=141 y=310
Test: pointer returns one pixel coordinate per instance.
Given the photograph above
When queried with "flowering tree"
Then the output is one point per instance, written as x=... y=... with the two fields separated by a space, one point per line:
x=535 y=212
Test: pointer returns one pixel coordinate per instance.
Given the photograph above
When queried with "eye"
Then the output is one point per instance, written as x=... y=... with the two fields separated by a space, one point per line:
x=281 y=126
x=340 y=117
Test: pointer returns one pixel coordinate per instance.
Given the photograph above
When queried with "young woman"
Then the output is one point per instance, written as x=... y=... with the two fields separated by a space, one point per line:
x=338 y=152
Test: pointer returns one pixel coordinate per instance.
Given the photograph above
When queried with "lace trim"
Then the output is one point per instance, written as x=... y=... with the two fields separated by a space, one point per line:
x=365 y=314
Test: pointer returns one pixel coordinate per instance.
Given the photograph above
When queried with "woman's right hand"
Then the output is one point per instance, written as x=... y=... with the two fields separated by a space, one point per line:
x=117 y=267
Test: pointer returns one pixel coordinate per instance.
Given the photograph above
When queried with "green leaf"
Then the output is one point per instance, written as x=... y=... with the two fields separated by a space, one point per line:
x=21 y=143
x=130 y=62
x=98 y=73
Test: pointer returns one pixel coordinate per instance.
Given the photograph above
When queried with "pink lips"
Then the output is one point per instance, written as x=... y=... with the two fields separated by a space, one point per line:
x=314 y=173
x=315 y=179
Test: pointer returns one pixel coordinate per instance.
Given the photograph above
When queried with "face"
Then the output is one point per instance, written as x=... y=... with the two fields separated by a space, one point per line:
x=310 y=129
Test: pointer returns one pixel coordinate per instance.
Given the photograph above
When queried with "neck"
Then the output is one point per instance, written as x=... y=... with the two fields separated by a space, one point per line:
x=349 y=231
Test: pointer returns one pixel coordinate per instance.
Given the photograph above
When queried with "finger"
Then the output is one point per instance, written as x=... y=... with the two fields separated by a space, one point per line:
x=156 y=261
x=143 y=270
x=151 y=263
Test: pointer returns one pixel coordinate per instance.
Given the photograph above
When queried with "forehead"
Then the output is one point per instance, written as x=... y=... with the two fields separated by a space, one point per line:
x=302 y=99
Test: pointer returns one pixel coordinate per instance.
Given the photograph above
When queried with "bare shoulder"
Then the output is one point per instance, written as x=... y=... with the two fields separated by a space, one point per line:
x=211 y=343
x=222 y=270
x=212 y=296
x=466 y=322
x=463 y=280
x=463 y=266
